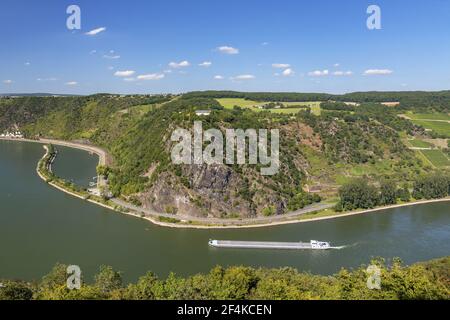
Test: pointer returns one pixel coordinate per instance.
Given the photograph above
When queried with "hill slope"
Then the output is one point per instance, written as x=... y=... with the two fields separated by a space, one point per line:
x=318 y=153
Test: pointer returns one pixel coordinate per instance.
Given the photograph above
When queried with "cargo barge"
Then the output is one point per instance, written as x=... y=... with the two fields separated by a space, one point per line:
x=312 y=245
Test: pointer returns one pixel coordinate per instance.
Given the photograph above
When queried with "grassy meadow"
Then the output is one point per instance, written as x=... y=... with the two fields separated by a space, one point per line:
x=230 y=103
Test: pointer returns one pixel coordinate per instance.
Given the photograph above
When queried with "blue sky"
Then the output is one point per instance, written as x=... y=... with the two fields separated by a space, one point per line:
x=253 y=45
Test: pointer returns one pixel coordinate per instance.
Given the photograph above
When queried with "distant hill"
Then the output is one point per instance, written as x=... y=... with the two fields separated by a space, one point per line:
x=36 y=95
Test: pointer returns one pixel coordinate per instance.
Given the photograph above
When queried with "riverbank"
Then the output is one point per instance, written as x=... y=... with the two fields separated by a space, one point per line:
x=180 y=221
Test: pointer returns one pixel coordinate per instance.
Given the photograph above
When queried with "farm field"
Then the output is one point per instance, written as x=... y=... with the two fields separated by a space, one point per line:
x=440 y=127
x=229 y=103
x=420 y=144
x=429 y=116
x=436 y=157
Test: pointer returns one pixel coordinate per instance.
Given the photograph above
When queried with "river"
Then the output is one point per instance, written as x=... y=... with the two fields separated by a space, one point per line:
x=40 y=226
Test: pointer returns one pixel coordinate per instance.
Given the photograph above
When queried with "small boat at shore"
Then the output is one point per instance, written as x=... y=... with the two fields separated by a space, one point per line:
x=312 y=245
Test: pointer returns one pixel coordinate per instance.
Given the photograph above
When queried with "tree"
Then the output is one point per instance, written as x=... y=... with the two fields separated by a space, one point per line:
x=269 y=211
x=358 y=194
x=144 y=289
x=108 y=280
x=403 y=194
x=388 y=192
x=432 y=186
x=15 y=291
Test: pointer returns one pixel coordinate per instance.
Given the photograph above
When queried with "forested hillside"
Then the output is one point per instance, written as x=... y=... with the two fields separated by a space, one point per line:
x=320 y=151
x=69 y=117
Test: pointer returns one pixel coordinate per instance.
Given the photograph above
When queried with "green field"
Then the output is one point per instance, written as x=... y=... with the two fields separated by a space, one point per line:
x=436 y=157
x=428 y=116
x=229 y=103
x=420 y=144
x=440 y=127
x=313 y=105
x=316 y=109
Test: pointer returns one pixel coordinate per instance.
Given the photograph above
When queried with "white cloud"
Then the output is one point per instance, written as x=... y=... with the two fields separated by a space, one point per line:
x=93 y=52
x=7 y=81
x=111 y=56
x=95 y=31
x=336 y=65
x=371 y=72
x=167 y=71
x=343 y=73
x=218 y=77
x=244 y=77
x=181 y=64
x=110 y=68
x=281 y=65
x=27 y=63
x=205 y=64
x=71 y=83
x=127 y=73
x=318 y=73
x=288 y=72
x=46 y=79
x=228 y=50
x=152 y=76
x=265 y=44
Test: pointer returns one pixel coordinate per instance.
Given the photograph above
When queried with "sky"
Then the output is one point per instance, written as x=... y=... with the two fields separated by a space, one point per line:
x=155 y=46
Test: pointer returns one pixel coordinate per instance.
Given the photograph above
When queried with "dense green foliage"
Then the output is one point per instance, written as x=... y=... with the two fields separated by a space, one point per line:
x=388 y=193
x=432 y=187
x=262 y=96
x=359 y=194
x=144 y=144
x=420 y=281
x=337 y=106
x=357 y=138
x=66 y=117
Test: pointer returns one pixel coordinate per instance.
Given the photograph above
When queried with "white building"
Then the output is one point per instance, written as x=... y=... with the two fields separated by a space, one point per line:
x=12 y=135
x=203 y=113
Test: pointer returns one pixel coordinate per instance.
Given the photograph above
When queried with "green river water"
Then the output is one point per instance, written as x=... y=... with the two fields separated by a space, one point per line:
x=40 y=226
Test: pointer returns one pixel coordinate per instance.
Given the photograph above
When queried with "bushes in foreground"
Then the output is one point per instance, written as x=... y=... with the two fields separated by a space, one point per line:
x=420 y=281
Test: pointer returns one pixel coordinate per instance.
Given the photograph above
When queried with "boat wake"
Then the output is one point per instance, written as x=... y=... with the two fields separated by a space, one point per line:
x=339 y=248
x=344 y=247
